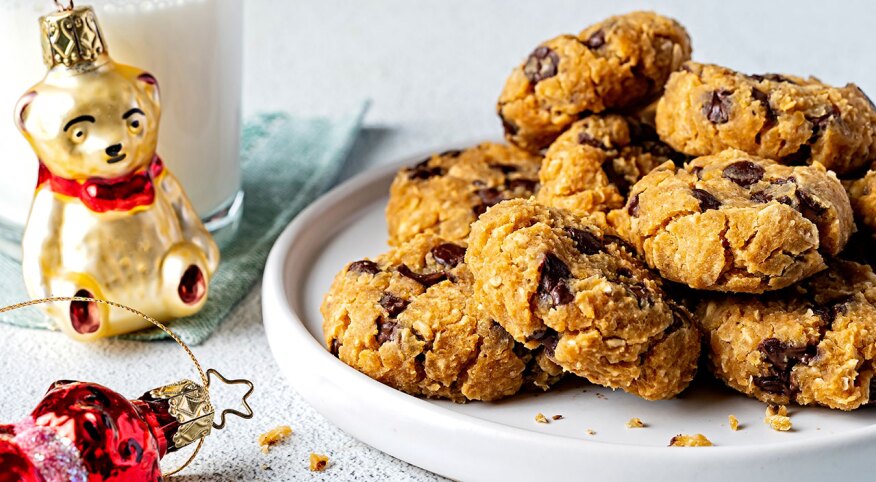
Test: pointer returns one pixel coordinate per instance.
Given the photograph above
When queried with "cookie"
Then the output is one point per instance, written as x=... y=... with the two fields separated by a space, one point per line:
x=592 y=165
x=621 y=62
x=445 y=193
x=707 y=108
x=811 y=344
x=737 y=222
x=407 y=319
x=564 y=283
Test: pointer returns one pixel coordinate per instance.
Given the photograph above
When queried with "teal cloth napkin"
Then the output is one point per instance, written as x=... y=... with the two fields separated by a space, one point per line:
x=287 y=162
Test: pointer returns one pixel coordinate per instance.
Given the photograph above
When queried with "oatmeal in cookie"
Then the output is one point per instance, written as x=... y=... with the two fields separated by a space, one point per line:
x=591 y=166
x=708 y=108
x=445 y=193
x=568 y=284
x=407 y=319
x=811 y=344
x=737 y=222
x=620 y=62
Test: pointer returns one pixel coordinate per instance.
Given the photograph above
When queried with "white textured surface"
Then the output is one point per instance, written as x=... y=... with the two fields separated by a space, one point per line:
x=432 y=71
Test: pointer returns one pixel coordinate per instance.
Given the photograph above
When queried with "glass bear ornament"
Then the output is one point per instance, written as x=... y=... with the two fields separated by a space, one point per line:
x=108 y=219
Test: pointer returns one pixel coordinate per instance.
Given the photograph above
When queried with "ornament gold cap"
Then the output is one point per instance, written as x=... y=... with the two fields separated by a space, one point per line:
x=72 y=37
x=190 y=405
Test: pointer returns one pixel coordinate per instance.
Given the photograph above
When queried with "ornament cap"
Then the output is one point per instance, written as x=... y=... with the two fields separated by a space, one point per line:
x=72 y=38
x=189 y=405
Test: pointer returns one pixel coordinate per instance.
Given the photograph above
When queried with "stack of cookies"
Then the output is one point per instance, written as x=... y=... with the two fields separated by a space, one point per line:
x=646 y=208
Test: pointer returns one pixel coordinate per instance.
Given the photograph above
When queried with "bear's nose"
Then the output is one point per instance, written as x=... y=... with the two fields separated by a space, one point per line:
x=114 y=150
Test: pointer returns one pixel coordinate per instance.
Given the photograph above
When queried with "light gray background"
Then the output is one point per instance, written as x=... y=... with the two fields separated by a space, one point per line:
x=432 y=71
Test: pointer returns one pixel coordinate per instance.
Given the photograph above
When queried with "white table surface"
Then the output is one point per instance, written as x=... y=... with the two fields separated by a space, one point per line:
x=432 y=72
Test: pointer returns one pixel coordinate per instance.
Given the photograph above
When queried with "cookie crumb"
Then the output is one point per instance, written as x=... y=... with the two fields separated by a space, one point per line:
x=734 y=422
x=635 y=423
x=557 y=417
x=540 y=418
x=318 y=462
x=273 y=437
x=590 y=431
x=777 y=418
x=695 y=440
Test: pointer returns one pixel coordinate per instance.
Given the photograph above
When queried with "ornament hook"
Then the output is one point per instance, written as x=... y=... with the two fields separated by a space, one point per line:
x=62 y=8
x=240 y=381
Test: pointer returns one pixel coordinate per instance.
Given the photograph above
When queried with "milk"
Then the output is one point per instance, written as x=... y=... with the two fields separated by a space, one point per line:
x=194 y=49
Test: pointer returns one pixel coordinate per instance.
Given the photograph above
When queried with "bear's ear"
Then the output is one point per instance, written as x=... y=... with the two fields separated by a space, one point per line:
x=21 y=109
x=150 y=85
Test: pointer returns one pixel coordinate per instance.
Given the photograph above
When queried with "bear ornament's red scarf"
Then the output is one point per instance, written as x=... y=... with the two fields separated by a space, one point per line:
x=108 y=194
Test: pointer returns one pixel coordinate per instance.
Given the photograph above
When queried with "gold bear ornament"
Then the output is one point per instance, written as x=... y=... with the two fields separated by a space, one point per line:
x=108 y=219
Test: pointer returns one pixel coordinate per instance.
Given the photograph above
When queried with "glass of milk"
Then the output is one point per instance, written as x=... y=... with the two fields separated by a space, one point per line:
x=194 y=49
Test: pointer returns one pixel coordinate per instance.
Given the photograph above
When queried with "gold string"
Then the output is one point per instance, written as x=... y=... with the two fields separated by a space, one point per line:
x=204 y=380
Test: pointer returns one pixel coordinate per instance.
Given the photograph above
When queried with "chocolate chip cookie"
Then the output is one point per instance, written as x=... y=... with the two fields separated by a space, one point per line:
x=407 y=319
x=737 y=222
x=565 y=284
x=620 y=62
x=591 y=166
x=813 y=343
x=445 y=193
x=707 y=108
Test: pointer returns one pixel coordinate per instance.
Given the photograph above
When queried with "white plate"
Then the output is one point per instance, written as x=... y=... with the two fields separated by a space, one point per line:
x=493 y=441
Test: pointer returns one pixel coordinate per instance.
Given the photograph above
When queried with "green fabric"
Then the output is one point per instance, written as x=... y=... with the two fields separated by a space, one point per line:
x=287 y=163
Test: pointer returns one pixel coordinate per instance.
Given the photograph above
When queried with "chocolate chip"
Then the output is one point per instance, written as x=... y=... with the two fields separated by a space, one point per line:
x=706 y=199
x=509 y=127
x=586 y=139
x=552 y=286
x=426 y=280
x=585 y=241
x=717 y=107
x=744 y=173
x=810 y=205
x=641 y=293
x=772 y=77
x=596 y=40
x=782 y=358
x=448 y=254
x=548 y=338
x=698 y=172
x=633 y=206
x=764 y=100
x=762 y=197
x=335 y=347
x=799 y=158
x=541 y=64
x=528 y=185
x=490 y=196
x=364 y=266
x=829 y=312
x=505 y=168
x=393 y=304
x=771 y=384
x=616 y=178
x=624 y=272
x=820 y=123
x=782 y=355
x=422 y=170
x=479 y=209
x=385 y=330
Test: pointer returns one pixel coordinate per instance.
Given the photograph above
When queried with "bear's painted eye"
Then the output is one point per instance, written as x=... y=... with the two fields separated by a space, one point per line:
x=77 y=135
x=135 y=125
